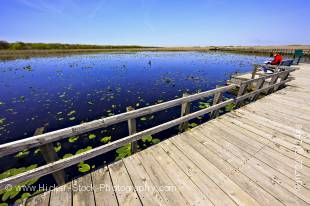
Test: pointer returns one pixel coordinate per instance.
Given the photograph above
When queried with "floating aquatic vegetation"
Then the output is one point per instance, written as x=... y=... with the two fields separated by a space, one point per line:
x=67 y=155
x=155 y=141
x=91 y=136
x=230 y=107
x=203 y=105
x=83 y=150
x=4 y=204
x=37 y=151
x=83 y=167
x=192 y=125
x=71 y=113
x=2 y=120
x=106 y=139
x=27 y=68
x=147 y=138
x=72 y=118
x=24 y=196
x=57 y=148
x=22 y=154
x=22 y=98
x=14 y=191
x=123 y=151
x=73 y=139
x=143 y=119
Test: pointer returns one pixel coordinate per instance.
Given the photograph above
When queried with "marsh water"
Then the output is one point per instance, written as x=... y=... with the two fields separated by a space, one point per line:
x=57 y=92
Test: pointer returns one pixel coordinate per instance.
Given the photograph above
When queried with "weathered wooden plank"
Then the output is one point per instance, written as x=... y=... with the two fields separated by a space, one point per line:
x=147 y=191
x=41 y=199
x=161 y=180
x=265 y=137
x=188 y=189
x=228 y=186
x=243 y=181
x=61 y=196
x=35 y=141
x=206 y=185
x=278 y=139
x=124 y=189
x=64 y=163
x=83 y=194
x=103 y=188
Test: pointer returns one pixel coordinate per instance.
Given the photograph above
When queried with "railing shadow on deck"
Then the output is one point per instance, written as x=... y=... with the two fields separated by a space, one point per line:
x=262 y=85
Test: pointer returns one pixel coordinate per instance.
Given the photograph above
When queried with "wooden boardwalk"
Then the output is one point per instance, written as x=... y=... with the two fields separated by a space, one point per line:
x=258 y=154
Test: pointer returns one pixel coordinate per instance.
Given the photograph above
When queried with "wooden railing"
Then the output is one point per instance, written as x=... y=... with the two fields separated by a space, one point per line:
x=262 y=86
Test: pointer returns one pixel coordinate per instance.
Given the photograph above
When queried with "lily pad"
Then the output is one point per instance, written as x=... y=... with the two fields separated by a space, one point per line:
x=72 y=118
x=83 y=167
x=2 y=120
x=91 y=136
x=192 y=125
x=147 y=138
x=230 y=107
x=155 y=141
x=123 y=152
x=67 y=155
x=203 y=105
x=105 y=139
x=22 y=154
x=83 y=150
x=24 y=196
x=73 y=139
x=71 y=112
x=57 y=148
x=143 y=118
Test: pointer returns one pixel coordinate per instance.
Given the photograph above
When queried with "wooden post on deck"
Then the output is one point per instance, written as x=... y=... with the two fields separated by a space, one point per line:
x=49 y=156
x=132 y=129
x=242 y=89
x=259 y=85
x=185 y=110
x=216 y=99
x=282 y=78
x=273 y=80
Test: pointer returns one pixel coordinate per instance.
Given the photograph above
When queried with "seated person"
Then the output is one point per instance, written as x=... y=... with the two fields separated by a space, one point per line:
x=277 y=59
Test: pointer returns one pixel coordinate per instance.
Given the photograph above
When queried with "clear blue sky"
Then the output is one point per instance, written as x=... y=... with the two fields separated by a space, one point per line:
x=157 y=22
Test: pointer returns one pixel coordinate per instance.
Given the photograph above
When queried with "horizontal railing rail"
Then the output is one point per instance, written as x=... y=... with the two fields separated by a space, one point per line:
x=277 y=80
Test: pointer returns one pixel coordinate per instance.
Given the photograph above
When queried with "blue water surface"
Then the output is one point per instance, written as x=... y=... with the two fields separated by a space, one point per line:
x=57 y=92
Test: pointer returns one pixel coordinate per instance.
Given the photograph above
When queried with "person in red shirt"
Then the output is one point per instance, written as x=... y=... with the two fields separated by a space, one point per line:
x=277 y=59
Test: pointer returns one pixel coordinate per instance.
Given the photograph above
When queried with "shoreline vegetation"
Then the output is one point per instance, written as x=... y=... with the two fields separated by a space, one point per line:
x=18 y=50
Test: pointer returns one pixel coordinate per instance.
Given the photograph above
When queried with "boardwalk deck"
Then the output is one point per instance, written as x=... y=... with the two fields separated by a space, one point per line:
x=256 y=155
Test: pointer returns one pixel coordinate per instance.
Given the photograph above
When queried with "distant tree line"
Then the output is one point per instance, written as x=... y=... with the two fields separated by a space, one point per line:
x=46 y=46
